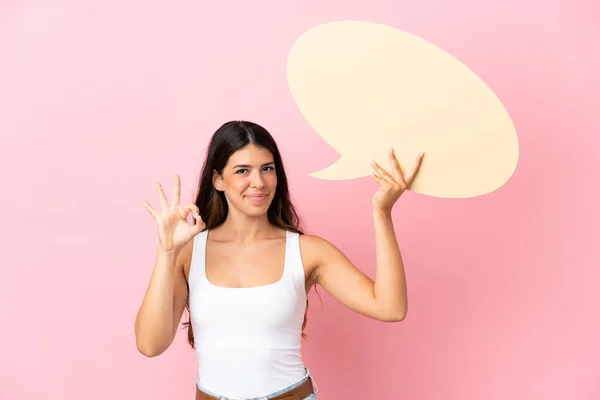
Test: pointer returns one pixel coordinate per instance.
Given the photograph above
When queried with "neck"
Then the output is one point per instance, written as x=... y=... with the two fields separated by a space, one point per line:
x=243 y=229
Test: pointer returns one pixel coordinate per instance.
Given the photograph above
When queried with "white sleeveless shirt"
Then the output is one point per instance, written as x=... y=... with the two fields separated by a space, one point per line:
x=248 y=340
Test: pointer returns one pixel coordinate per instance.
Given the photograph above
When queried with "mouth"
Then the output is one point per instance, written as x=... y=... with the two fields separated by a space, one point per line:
x=256 y=197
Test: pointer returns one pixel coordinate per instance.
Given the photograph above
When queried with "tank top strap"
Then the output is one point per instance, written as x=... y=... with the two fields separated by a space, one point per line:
x=293 y=259
x=197 y=263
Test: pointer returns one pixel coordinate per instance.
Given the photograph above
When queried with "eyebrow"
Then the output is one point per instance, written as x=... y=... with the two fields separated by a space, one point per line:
x=250 y=166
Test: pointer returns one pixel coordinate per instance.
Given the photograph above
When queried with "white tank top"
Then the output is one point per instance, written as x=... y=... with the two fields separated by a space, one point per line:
x=248 y=340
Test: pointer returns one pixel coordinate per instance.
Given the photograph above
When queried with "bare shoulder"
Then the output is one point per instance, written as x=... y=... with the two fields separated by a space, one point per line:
x=312 y=244
x=316 y=251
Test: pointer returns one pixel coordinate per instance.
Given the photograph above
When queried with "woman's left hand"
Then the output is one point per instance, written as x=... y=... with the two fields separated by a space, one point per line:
x=392 y=184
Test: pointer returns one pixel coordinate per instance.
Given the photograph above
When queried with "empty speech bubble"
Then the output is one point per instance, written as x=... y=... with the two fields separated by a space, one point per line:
x=364 y=87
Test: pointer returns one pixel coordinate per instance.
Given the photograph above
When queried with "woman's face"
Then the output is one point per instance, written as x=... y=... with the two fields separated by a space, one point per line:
x=248 y=180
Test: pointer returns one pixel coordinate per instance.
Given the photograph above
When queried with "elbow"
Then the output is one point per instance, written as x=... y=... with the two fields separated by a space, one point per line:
x=396 y=316
x=148 y=343
x=400 y=317
x=148 y=351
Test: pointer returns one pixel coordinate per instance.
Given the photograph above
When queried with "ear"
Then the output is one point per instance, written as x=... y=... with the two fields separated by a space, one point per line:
x=217 y=181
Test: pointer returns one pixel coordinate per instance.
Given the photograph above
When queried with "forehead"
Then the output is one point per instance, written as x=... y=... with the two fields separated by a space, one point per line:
x=250 y=154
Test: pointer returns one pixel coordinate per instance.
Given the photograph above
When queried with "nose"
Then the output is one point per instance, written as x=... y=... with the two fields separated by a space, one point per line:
x=257 y=180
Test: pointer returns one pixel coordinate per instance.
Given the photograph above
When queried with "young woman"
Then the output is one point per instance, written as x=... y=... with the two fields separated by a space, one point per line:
x=243 y=268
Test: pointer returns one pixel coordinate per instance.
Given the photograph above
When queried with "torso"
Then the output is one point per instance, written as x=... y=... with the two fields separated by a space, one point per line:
x=229 y=265
x=246 y=309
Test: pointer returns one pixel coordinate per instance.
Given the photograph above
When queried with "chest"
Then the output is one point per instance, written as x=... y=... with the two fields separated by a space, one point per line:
x=232 y=266
x=259 y=287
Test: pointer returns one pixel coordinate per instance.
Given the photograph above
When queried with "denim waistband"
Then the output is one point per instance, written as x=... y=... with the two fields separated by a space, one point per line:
x=269 y=396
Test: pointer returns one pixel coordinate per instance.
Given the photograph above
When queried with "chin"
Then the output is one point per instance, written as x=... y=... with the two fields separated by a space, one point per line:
x=254 y=209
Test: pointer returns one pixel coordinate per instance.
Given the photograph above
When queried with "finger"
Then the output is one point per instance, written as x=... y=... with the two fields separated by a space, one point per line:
x=151 y=210
x=184 y=212
x=383 y=182
x=161 y=195
x=382 y=173
x=378 y=179
x=199 y=226
x=195 y=210
x=396 y=169
x=176 y=191
x=189 y=208
x=415 y=170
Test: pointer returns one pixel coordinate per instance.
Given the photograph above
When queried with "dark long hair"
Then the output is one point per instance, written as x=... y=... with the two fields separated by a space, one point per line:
x=229 y=138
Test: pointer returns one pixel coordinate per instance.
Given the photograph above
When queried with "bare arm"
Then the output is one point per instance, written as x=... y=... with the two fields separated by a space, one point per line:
x=390 y=284
x=163 y=305
x=384 y=299
x=158 y=317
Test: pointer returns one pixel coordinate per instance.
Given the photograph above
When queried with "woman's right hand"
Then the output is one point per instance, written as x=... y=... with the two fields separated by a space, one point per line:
x=174 y=230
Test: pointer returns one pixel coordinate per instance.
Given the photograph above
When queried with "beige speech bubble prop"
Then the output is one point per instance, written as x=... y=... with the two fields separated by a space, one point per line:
x=364 y=87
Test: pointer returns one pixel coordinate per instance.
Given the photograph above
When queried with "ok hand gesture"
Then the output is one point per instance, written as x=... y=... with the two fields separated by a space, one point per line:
x=174 y=231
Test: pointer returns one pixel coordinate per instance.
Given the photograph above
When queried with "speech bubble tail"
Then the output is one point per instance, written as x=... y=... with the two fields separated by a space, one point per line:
x=343 y=169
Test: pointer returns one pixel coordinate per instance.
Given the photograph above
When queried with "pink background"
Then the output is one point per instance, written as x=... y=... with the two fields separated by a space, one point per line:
x=100 y=99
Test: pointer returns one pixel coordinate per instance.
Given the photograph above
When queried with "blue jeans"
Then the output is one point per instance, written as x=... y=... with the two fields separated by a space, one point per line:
x=312 y=396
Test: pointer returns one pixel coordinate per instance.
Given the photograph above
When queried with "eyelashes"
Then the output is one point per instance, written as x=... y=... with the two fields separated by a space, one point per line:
x=242 y=170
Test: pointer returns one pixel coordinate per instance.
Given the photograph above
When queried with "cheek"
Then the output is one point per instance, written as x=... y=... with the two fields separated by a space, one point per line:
x=239 y=185
x=234 y=185
x=272 y=180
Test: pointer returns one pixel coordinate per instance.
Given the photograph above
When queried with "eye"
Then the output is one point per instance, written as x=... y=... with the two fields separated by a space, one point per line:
x=269 y=168
x=240 y=170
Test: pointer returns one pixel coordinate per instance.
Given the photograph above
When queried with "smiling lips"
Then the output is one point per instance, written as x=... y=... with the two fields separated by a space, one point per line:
x=256 y=197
